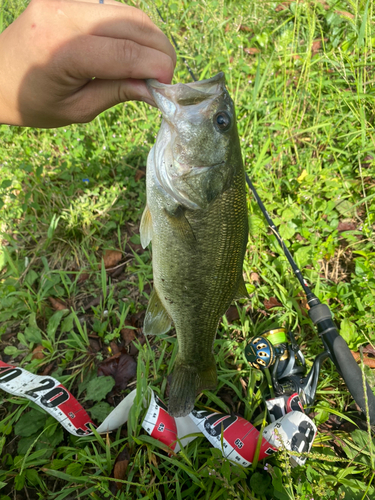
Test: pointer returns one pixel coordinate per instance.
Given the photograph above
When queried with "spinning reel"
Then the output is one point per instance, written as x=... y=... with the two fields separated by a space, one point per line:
x=278 y=350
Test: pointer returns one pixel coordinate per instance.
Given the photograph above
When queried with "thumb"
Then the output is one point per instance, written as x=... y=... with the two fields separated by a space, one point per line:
x=99 y=95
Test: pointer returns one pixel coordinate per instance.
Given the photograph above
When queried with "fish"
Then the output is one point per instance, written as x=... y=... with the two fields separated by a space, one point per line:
x=196 y=218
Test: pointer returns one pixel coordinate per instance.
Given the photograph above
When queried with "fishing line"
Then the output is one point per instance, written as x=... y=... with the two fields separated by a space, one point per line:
x=177 y=48
x=335 y=346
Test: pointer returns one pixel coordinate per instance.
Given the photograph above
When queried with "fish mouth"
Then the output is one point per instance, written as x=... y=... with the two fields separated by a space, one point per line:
x=168 y=97
x=200 y=84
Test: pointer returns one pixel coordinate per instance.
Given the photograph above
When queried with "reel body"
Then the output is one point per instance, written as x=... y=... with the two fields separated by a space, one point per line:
x=278 y=350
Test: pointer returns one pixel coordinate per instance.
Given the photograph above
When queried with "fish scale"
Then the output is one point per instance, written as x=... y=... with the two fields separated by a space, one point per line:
x=196 y=218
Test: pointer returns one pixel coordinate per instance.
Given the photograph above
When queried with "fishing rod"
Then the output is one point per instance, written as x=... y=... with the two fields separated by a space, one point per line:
x=273 y=349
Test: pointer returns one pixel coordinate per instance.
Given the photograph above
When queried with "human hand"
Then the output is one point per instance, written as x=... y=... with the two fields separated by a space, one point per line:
x=50 y=54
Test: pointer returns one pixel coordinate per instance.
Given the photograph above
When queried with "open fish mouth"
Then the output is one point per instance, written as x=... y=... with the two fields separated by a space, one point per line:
x=168 y=97
x=206 y=86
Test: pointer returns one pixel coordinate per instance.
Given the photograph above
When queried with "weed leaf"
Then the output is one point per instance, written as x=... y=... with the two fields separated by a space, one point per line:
x=100 y=411
x=30 y=422
x=54 y=322
x=98 y=388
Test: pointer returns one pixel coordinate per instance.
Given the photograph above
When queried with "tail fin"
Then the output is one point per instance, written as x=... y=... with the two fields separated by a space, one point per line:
x=187 y=382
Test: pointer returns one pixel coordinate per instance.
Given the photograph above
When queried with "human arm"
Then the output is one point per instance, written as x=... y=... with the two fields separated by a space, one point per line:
x=65 y=61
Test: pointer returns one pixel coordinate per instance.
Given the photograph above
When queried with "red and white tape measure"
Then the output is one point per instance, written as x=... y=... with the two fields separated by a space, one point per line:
x=234 y=436
x=49 y=394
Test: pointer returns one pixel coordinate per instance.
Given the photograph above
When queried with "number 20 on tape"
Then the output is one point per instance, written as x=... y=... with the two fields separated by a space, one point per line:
x=49 y=394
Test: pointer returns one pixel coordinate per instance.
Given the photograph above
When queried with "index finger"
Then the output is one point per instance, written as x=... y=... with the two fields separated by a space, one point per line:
x=115 y=20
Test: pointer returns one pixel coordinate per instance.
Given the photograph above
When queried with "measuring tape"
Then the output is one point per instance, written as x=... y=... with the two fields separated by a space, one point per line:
x=234 y=436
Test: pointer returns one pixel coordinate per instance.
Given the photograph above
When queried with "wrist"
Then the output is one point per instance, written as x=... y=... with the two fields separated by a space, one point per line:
x=7 y=115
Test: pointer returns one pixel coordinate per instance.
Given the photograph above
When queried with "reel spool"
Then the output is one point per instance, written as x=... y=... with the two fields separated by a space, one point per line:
x=261 y=352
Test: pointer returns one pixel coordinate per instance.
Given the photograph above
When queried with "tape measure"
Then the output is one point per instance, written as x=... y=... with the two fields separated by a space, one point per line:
x=234 y=436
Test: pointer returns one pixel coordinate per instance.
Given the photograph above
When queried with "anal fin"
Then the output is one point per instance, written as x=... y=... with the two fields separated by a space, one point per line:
x=146 y=228
x=157 y=320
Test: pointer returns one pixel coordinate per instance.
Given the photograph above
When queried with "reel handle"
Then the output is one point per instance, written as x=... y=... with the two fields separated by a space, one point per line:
x=341 y=356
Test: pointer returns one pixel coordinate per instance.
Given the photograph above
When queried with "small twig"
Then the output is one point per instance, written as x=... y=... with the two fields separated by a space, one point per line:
x=27 y=494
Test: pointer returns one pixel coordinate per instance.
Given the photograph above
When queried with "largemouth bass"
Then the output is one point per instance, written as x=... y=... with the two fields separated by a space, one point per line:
x=196 y=218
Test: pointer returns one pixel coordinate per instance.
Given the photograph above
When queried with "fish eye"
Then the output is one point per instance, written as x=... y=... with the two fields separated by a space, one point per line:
x=222 y=121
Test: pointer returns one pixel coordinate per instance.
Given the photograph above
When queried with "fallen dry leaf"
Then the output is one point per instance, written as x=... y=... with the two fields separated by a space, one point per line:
x=317 y=45
x=136 y=319
x=133 y=349
x=38 y=352
x=111 y=258
x=251 y=50
x=122 y=368
x=232 y=314
x=114 y=347
x=83 y=277
x=111 y=358
x=47 y=370
x=368 y=361
x=154 y=460
x=94 y=344
x=121 y=465
x=139 y=174
x=367 y=160
x=242 y=27
x=119 y=470
x=254 y=277
x=272 y=302
x=345 y=14
x=57 y=304
x=93 y=302
x=128 y=335
x=136 y=247
x=282 y=6
x=369 y=350
x=324 y=3
x=346 y=226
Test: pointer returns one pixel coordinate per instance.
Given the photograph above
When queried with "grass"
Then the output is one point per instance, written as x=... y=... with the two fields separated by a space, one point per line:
x=302 y=77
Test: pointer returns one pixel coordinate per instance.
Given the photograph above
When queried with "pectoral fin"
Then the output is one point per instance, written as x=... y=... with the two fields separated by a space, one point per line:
x=241 y=291
x=146 y=228
x=157 y=320
x=182 y=227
